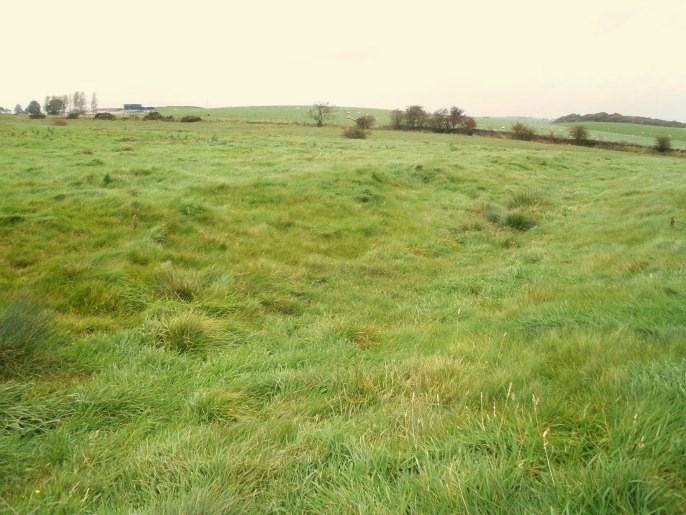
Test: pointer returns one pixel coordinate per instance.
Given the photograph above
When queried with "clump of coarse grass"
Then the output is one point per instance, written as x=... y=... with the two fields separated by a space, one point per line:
x=59 y=122
x=494 y=214
x=519 y=221
x=221 y=405
x=525 y=198
x=24 y=327
x=126 y=148
x=185 y=332
x=178 y=284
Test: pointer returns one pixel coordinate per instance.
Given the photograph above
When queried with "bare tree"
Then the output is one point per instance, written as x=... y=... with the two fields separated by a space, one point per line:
x=321 y=112
x=94 y=104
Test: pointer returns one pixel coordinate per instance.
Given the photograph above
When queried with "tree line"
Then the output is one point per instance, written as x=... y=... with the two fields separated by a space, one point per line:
x=73 y=105
x=617 y=118
x=414 y=117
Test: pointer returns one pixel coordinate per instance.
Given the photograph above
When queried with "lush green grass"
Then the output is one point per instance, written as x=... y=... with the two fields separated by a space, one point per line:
x=261 y=318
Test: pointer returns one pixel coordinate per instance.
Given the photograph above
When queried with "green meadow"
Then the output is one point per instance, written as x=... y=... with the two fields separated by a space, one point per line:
x=225 y=317
x=634 y=134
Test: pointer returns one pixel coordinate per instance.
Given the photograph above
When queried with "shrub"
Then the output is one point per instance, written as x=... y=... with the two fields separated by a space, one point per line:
x=522 y=131
x=468 y=125
x=23 y=328
x=355 y=133
x=157 y=116
x=365 y=122
x=105 y=116
x=579 y=134
x=663 y=144
x=73 y=115
x=37 y=116
x=60 y=122
x=191 y=119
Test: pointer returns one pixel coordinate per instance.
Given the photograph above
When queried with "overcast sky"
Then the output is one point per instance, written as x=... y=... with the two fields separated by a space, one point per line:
x=540 y=58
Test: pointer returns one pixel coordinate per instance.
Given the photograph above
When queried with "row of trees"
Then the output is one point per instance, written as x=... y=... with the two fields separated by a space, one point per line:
x=442 y=120
x=618 y=118
x=412 y=118
x=75 y=104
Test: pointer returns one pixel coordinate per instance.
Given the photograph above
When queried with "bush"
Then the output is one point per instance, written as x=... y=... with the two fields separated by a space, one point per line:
x=157 y=116
x=355 y=133
x=663 y=144
x=191 y=119
x=105 y=116
x=468 y=125
x=365 y=122
x=522 y=131
x=60 y=122
x=37 y=116
x=579 y=134
x=23 y=328
x=73 y=115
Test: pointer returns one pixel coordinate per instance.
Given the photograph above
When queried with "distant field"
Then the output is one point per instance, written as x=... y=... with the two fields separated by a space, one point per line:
x=259 y=318
x=622 y=132
x=634 y=133
x=291 y=114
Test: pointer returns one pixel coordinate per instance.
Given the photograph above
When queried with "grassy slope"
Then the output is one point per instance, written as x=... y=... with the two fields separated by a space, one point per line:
x=300 y=322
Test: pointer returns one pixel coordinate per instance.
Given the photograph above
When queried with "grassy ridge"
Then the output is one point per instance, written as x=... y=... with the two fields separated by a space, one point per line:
x=298 y=322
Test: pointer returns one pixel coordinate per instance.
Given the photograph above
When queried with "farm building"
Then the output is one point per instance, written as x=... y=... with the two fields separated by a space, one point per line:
x=137 y=107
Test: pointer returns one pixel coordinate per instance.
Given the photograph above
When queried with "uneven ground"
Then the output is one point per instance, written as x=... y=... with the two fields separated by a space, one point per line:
x=235 y=317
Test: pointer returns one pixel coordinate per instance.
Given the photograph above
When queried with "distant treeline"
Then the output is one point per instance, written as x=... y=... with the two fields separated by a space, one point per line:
x=617 y=118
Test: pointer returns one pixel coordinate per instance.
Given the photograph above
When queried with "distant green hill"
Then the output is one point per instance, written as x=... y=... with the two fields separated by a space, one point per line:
x=288 y=114
x=618 y=118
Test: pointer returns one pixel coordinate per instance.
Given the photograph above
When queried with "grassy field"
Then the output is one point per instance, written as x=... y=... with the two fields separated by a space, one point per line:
x=285 y=114
x=622 y=132
x=224 y=317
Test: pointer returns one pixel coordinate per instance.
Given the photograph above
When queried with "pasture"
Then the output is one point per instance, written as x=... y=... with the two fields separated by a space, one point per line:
x=238 y=317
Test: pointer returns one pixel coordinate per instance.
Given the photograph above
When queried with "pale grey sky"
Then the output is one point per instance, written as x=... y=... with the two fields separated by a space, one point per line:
x=502 y=57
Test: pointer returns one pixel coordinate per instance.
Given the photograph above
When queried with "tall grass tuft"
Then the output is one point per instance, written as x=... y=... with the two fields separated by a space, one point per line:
x=519 y=221
x=186 y=332
x=525 y=198
x=23 y=329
